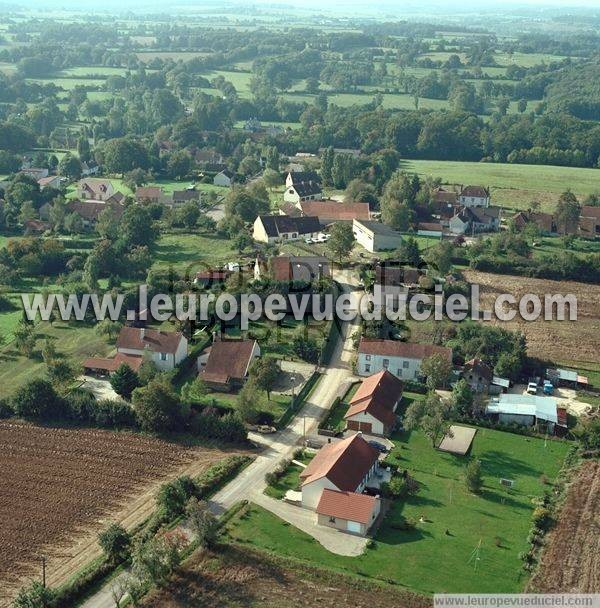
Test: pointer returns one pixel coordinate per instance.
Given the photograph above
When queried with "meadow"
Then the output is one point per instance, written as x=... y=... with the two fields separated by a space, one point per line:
x=512 y=186
x=465 y=543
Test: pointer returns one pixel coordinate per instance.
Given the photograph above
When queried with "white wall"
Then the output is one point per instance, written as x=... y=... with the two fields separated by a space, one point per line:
x=311 y=492
x=404 y=368
x=376 y=425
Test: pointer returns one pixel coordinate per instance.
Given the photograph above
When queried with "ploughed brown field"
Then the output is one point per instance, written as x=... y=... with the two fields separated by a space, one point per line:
x=235 y=576
x=572 y=343
x=60 y=487
x=571 y=560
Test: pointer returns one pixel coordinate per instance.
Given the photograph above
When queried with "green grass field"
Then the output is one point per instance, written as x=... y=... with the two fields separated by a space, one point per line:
x=70 y=83
x=513 y=186
x=185 y=252
x=290 y=480
x=441 y=553
x=75 y=341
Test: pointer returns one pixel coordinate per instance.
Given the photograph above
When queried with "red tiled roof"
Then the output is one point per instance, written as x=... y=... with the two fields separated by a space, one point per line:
x=335 y=210
x=91 y=210
x=478 y=367
x=433 y=227
x=377 y=396
x=228 y=359
x=590 y=211
x=394 y=348
x=347 y=505
x=475 y=191
x=133 y=338
x=443 y=196
x=111 y=365
x=345 y=463
x=148 y=192
x=281 y=269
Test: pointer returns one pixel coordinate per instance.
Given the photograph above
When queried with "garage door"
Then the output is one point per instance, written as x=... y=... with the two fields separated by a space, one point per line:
x=353 y=526
x=365 y=427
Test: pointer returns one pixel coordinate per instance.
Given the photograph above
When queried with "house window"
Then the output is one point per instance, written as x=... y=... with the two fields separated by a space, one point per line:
x=368 y=357
x=399 y=374
x=294 y=235
x=332 y=520
x=163 y=356
x=416 y=373
x=367 y=367
x=386 y=363
x=405 y=364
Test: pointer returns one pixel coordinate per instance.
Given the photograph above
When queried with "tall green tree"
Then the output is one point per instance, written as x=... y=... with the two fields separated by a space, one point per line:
x=124 y=381
x=341 y=240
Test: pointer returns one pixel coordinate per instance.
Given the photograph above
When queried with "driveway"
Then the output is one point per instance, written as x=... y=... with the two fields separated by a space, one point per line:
x=565 y=397
x=336 y=541
x=250 y=483
x=100 y=387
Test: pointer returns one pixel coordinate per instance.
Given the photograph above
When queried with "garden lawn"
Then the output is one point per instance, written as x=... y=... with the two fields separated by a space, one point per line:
x=290 y=480
x=512 y=185
x=467 y=543
x=187 y=252
x=76 y=341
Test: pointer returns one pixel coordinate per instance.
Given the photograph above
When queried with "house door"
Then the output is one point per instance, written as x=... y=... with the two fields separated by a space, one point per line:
x=353 y=526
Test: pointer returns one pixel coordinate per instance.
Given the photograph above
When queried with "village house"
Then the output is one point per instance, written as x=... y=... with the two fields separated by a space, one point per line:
x=148 y=194
x=344 y=468
x=36 y=172
x=282 y=228
x=50 y=181
x=224 y=365
x=303 y=191
x=179 y=198
x=95 y=189
x=473 y=219
x=478 y=375
x=589 y=221
x=444 y=197
x=372 y=410
x=403 y=359
x=224 y=178
x=89 y=167
x=287 y=268
x=89 y=211
x=33 y=226
x=430 y=229
x=295 y=177
x=330 y=211
x=166 y=349
x=544 y=221
x=474 y=196
x=528 y=410
x=375 y=236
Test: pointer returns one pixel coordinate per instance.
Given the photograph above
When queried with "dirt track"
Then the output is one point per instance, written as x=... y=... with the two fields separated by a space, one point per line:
x=59 y=487
x=571 y=561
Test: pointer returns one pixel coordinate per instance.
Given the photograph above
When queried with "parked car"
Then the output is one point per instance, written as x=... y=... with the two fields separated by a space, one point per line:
x=548 y=387
x=378 y=446
x=532 y=388
x=265 y=428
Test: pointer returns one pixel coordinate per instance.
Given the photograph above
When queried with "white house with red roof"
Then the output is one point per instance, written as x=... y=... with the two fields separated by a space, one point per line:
x=403 y=359
x=166 y=348
x=334 y=480
x=474 y=196
x=224 y=366
x=372 y=410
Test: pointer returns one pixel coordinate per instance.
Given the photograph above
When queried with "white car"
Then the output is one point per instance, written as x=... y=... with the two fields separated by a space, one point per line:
x=532 y=388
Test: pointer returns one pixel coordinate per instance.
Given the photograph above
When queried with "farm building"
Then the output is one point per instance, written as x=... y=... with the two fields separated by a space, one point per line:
x=330 y=211
x=566 y=377
x=285 y=268
x=225 y=364
x=528 y=410
x=303 y=191
x=372 y=410
x=281 y=228
x=375 y=236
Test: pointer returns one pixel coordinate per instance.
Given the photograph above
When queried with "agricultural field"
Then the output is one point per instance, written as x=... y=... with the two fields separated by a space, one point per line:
x=72 y=483
x=513 y=186
x=238 y=576
x=573 y=344
x=477 y=538
x=571 y=560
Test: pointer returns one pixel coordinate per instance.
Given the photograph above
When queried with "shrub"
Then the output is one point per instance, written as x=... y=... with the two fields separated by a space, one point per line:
x=541 y=518
x=116 y=543
x=473 y=477
x=6 y=410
